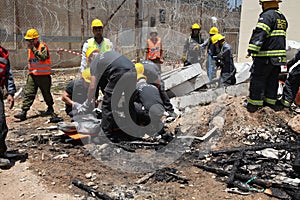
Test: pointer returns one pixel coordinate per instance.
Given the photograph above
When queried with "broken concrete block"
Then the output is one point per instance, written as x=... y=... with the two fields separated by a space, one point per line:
x=198 y=98
x=242 y=71
x=182 y=76
x=189 y=86
x=238 y=90
x=294 y=124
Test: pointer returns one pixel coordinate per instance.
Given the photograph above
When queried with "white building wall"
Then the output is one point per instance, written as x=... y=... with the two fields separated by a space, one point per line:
x=249 y=17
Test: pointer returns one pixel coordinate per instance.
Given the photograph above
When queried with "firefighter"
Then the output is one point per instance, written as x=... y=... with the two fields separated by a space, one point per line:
x=154 y=51
x=224 y=60
x=39 y=74
x=267 y=48
x=7 y=81
x=107 y=69
x=154 y=78
x=192 y=49
x=292 y=83
x=147 y=103
x=98 y=41
x=211 y=51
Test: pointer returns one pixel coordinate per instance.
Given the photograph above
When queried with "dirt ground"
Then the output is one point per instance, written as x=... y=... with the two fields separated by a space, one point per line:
x=43 y=175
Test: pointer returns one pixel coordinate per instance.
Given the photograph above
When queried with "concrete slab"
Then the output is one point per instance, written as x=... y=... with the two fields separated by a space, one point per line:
x=242 y=71
x=182 y=76
x=202 y=98
x=189 y=86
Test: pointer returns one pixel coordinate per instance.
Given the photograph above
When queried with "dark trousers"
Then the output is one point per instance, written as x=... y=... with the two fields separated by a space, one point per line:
x=165 y=98
x=3 y=126
x=264 y=79
x=292 y=84
x=32 y=84
x=111 y=100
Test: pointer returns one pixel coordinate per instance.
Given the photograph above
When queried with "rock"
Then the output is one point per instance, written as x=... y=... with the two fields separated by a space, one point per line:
x=61 y=156
x=218 y=122
x=91 y=184
x=294 y=124
x=88 y=175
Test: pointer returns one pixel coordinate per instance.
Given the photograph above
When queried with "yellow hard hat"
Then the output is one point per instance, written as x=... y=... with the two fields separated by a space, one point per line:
x=196 y=26
x=214 y=30
x=139 y=67
x=97 y=23
x=86 y=75
x=31 y=34
x=216 y=38
x=91 y=54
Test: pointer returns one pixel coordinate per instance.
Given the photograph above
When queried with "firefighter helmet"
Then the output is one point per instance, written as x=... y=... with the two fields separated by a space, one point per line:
x=86 y=75
x=214 y=30
x=31 y=34
x=216 y=38
x=139 y=67
x=97 y=23
x=196 y=26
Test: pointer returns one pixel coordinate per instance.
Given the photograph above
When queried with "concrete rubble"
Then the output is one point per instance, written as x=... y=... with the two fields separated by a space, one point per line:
x=183 y=84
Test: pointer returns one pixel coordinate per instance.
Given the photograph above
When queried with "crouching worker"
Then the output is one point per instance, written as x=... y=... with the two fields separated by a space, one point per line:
x=224 y=60
x=146 y=102
x=76 y=92
x=151 y=71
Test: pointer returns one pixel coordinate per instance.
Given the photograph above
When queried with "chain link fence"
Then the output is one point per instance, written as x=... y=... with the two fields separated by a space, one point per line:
x=66 y=24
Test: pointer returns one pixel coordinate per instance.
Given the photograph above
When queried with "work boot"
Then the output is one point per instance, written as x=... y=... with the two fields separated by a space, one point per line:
x=49 y=111
x=276 y=107
x=251 y=108
x=4 y=162
x=22 y=115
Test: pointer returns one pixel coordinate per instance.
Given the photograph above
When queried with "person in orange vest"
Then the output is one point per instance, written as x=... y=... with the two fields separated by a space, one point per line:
x=39 y=74
x=154 y=50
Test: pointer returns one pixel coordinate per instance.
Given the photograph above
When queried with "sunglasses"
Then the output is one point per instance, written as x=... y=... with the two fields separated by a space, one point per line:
x=31 y=40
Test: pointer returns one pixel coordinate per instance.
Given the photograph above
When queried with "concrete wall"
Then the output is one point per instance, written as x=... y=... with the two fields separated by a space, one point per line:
x=249 y=17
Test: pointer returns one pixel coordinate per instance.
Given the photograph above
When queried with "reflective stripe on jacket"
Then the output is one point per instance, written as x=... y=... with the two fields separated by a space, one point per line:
x=269 y=36
x=36 y=66
x=154 y=50
x=105 y=44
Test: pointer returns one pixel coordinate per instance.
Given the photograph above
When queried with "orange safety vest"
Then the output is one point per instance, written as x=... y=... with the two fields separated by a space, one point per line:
x=154 y=50
x=38 y=67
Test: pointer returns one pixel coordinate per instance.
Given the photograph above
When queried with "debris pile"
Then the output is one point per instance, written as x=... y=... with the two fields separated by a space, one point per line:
x=269 y=164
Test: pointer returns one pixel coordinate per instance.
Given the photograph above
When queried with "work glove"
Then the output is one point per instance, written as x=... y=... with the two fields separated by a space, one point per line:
x=219 y=56
x=84 y=107
x=76 y=105
x=183 y=59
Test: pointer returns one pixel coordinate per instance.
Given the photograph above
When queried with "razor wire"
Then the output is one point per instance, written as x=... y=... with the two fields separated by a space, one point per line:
x=66 y=23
